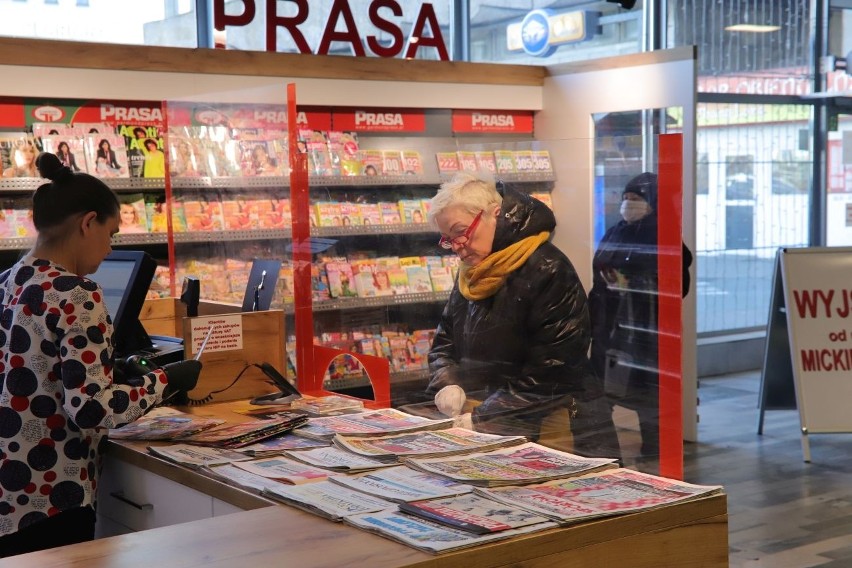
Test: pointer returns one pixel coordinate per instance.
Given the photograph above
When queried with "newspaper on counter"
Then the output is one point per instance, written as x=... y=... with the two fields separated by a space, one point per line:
x=429 y=536
x=327 y=500
x=401 y=484
x=602 y=494
x=240 y=478
x=279 y=444
x=284 y=469
x=327 y=404
x=371 y=423
x=473 y=513
x=196 y=456
x=335 y=459
x=163 y=426
x=425 y=444
x=527 y=463
x=245 y=433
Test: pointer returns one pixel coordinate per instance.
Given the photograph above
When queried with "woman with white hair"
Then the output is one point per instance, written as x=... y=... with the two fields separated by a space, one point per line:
x=516 y=324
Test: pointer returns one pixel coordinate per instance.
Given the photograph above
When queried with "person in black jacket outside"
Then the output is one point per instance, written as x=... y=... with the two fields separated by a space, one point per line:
x=516 y=324
x=623 y=304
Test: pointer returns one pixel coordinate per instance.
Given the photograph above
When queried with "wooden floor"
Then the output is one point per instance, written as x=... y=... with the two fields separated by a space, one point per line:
x=783 y=512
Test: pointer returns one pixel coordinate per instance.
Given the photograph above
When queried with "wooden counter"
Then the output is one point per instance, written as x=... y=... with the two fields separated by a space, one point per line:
x=689 y=535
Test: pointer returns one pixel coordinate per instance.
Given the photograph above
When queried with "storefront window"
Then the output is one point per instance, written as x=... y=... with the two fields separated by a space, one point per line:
x=755 y=162
x=757 y=175
x=166 y=23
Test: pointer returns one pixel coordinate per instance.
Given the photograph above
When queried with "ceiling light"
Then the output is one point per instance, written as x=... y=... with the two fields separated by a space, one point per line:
x=752 y=28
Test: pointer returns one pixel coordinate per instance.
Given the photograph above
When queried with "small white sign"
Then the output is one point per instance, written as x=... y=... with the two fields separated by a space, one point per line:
x=227 y=333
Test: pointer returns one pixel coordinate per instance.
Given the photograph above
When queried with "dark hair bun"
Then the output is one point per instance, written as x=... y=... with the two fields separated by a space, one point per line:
x=49 y=167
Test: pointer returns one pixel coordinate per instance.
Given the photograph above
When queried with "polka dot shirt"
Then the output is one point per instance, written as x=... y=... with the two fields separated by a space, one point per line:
x=57 y=397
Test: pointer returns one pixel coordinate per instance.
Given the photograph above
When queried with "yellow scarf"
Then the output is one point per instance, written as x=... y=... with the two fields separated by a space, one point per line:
x=483 y=280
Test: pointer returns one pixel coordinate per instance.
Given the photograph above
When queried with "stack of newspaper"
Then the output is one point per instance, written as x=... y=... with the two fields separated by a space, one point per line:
x=284 y=470
x=245 y=433
x=602 y=494
x=327 y=500
x=527 y=463
x=430 y=536
x=371 y=423
x=240 y=478
x=279 y=444
x=401 y=484
x=473 y=513
x=336 y=459
x=163 y=424
x=425 y=444
x=196 y=456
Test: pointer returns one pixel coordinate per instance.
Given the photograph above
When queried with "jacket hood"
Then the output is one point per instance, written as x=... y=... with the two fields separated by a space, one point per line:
x=521 y=216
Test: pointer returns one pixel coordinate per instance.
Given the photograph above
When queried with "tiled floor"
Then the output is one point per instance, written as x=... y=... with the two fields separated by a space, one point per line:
x=783 y=512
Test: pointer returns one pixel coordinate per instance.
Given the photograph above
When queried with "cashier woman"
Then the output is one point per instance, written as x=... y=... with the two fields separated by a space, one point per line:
x=516 y=325
x=57 y=395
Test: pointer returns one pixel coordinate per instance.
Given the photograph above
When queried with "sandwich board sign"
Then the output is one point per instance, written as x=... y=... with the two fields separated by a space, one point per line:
x=817 y=301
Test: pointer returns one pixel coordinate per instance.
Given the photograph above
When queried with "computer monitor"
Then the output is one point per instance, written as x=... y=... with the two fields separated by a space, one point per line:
x=125 y=277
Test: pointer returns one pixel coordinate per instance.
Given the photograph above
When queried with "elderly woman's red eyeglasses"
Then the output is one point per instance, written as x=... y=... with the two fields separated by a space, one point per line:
x=461 y=240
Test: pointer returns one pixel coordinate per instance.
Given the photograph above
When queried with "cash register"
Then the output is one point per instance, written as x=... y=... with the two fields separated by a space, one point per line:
x=125 y=277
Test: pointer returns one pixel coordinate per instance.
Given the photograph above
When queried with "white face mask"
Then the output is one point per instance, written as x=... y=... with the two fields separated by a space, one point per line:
x=632 y=211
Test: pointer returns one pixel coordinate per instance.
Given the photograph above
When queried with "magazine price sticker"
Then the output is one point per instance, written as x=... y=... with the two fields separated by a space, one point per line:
x=227 y=333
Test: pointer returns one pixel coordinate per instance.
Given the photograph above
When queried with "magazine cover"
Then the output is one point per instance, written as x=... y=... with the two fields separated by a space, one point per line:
x=273 y=213
x=411 y=211
x=239 y=213
x=132 y=215
x=412 y=162
x=524 y=163
x=328 y=214
x=448 y=162
x=390 y=213
x=418 y=279
x=467 y=161
x=370 y=213
x=442 y=278
x=19 y=217
x=473 y=513
x=505 y=161
x=42 y=129
x=69 y=150
x=392 y=163
x=185 y=157
x=485 y=161
x=398 y=279
x=258 y=158
x=372 y=162
x=106 y=156
x=541 y=161
x=202 y=213
x=18 y=152
x=343 y=151
x=134 y=137
x=341 y=281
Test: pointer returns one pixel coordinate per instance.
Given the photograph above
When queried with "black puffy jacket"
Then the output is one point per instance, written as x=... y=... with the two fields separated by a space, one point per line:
x=527 y=345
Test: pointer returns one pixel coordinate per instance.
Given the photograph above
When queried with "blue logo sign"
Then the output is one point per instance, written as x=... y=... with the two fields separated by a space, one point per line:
x=535 y=34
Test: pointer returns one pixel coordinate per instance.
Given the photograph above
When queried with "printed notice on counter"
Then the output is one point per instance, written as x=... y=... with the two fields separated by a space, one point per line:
x=227 y=333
